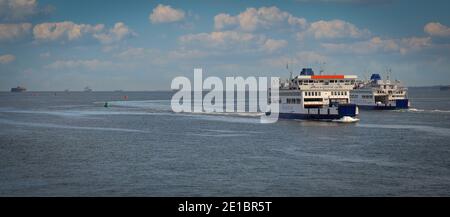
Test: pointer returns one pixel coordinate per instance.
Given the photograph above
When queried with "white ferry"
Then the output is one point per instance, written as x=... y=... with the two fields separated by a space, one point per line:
x=380 y=94
x=318 y=97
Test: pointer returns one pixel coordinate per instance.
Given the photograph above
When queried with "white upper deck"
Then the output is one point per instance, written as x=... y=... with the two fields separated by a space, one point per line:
x=320 y=82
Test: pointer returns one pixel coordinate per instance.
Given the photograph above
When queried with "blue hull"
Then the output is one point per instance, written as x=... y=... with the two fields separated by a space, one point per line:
x=308 y=116
x=343 y=110
x=399 y=104
x=374 y=107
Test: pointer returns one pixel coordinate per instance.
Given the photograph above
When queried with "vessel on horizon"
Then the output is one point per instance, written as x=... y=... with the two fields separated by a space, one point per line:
x=18 y=89
x=87 y=89
x=380 y=94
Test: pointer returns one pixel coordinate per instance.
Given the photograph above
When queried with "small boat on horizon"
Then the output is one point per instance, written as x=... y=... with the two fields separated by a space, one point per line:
x=18 y=89
x=87 y=89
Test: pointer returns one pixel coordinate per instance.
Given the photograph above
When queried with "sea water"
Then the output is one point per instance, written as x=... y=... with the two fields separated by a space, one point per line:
x=69 y=144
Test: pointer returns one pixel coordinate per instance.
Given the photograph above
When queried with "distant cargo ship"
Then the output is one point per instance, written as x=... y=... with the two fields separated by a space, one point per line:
x=18 y=89
x=87 y=89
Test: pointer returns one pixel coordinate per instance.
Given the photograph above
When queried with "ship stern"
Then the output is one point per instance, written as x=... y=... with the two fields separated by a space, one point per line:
x=349 y=110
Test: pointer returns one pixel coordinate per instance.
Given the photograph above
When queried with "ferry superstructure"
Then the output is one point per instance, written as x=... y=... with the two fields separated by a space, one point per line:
x=380 y=94
x=317 y=97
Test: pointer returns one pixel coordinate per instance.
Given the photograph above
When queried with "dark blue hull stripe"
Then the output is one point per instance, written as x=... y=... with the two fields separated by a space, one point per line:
x=374 y=107
x=400 y=104
x=308 y=116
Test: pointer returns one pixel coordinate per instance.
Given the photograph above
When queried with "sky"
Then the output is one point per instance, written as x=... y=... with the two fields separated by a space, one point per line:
x=52 y=45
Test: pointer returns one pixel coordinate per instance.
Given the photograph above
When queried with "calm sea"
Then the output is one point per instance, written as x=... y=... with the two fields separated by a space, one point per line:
x=68 y=144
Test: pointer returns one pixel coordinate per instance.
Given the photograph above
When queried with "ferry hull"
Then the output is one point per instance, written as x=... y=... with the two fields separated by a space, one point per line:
x=349 y=110
x=308 y=116
x=399 y=104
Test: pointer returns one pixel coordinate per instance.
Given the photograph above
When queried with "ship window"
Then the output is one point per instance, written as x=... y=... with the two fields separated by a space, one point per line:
x=313 y=100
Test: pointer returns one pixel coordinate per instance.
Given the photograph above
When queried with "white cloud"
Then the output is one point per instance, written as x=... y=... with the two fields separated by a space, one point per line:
x=414 y=44
x=304 y=58
x=158 y=57
x=20 y=10
x=375 y=44
x=221 y=39
x=45 y=55
x=132 y=53
x=223 y=20
x=17 y=9
x=252 y=19
x=70 y=31
x=437 y=29
x=166 y=14
x=186 y=54
x=233 y=40
x=10 y=32
x=117 y=33
x=64 y=30
x=90 y=65
x=272 y=45
x=332 y=30
x=378 y=45
x=7 y=58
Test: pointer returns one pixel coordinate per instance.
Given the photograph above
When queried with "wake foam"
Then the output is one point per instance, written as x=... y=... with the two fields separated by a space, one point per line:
x=415 y=110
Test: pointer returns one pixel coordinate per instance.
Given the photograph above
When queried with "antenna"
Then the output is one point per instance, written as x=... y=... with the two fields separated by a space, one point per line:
x=290 y=71
x=389 y=74
x=322 y=67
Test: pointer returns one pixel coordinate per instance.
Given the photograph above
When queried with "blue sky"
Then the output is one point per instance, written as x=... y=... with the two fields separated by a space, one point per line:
x=143 y=44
